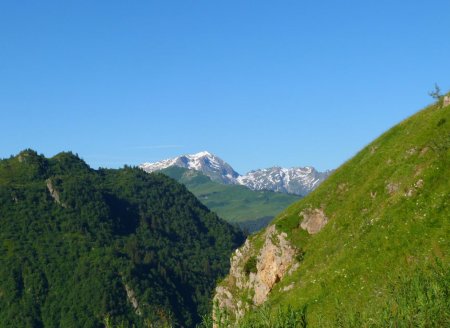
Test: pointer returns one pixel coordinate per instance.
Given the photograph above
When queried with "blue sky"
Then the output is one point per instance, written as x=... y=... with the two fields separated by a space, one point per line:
x=259 y=83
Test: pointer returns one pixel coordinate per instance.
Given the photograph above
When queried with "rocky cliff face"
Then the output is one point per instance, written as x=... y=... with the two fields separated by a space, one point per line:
x=54 y=192
x=254 y=272
x=258 y=266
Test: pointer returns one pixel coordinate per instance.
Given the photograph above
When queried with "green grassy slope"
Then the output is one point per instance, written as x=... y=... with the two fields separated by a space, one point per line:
x=383 y=257
x=236 y=204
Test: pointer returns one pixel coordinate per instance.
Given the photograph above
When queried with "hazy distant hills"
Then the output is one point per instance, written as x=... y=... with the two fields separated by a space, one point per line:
x=297 y=180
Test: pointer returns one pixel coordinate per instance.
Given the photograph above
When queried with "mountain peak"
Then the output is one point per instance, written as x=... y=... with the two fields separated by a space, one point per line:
x=204 y=153
x=295 y=180
x=204 y=161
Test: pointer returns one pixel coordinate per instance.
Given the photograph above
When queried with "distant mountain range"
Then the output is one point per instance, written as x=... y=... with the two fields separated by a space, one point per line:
x=296 y=180
x=250 y=209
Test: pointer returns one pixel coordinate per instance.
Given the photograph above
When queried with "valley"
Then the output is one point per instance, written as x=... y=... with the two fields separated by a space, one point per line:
x=126 y=248
x=250 y=210
x=224 y=164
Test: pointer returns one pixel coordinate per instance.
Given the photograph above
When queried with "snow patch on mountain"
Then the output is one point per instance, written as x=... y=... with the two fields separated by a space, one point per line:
x=296 y=180
x=209 y=164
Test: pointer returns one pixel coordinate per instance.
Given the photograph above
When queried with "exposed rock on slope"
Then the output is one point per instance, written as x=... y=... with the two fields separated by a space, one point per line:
x=53 y=192
x=248 y=286
x=131 y=295
x=313 y=220
x=274 y=260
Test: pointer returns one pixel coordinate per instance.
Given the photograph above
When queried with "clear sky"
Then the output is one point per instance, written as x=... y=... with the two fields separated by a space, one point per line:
x=259 y=83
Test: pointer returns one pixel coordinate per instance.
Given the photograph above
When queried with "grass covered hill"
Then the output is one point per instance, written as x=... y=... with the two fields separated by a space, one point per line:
x=382 y=256
x=81 y=247
x=251 y=210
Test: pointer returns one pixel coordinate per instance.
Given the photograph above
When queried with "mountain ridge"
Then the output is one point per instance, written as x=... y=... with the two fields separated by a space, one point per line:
x=251 y=210
x=295 y=180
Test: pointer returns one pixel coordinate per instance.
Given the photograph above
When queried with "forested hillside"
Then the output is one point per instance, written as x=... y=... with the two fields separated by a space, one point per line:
x=79 y=247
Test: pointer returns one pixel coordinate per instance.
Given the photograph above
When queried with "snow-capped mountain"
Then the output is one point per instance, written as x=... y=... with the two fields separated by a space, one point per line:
x=296 y=180
x=205 y=162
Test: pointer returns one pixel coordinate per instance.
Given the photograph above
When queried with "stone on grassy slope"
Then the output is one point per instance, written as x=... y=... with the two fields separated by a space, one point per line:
x=446 y=101
x=313 y=220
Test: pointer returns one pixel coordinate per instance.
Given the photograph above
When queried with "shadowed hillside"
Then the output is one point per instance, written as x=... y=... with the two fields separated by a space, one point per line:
x=81 y=247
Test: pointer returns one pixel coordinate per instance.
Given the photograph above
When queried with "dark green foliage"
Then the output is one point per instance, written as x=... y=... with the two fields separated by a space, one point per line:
x=70 y=256
x=436 y=93
x=300 y=255
x=250 y=265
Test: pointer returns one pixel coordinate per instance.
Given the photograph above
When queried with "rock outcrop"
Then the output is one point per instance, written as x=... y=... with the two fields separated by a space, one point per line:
x=131 y=295
x=244 y=289
x=446 y=101
x=274 y=260
x=53 y=192
x=313 y=220
x=392 y=187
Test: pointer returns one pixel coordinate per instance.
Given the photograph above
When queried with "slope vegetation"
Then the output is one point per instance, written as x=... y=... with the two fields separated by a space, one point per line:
x=79 y=247
x=371 y=243
x=250 y=210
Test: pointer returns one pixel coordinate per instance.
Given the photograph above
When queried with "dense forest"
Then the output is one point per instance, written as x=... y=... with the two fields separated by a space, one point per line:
x=80 y=247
